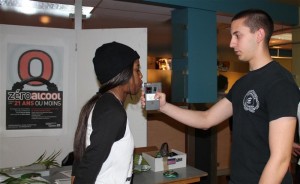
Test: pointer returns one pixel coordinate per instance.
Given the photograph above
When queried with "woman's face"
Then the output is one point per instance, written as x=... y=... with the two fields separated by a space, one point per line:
x=135 y=81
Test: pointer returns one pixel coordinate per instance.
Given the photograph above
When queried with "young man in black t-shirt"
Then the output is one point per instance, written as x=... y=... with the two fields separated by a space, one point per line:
x=263 y=104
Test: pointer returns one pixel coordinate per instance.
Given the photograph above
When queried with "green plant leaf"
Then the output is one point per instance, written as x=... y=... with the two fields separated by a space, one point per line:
x=9 y=180
x=5 y=174
x=30 y=175
x=41 y=157
x=28 y=178
x=48 y=162
x=24 y=179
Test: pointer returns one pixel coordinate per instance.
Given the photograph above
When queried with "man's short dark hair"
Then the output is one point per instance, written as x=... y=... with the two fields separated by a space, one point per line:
x=256 y=19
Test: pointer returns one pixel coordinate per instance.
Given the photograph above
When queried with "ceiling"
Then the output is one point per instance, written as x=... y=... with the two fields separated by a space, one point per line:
x=124 y=14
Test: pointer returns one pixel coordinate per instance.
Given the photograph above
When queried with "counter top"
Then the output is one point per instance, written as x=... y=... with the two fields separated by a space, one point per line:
x=185 y=175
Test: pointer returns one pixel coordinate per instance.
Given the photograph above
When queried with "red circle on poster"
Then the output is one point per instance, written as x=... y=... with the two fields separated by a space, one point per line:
x=24 y=66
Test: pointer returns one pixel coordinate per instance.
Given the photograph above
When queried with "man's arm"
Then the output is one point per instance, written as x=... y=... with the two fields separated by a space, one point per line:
x=197 y=119
x=281 y=138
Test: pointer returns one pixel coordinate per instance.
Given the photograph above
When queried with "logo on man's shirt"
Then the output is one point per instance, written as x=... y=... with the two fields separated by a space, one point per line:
x=250 y=101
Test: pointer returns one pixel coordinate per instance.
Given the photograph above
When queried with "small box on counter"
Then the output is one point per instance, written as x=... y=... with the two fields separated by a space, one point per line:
x=172 y=162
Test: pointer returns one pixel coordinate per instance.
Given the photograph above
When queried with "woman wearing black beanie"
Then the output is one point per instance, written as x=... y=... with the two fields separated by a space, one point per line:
x=103 y=144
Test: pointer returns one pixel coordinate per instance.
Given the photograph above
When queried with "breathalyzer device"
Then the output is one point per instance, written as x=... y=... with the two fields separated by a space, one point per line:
x=150 y=89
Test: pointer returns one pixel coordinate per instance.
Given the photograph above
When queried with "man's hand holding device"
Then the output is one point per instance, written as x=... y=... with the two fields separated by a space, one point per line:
x=150 y=90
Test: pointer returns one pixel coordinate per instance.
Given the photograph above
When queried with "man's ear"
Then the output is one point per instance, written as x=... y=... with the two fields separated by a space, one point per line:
x=260 y=35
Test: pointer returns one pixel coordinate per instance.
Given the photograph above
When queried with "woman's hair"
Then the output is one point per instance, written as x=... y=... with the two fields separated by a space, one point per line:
x=80 y=134
x=256 y=19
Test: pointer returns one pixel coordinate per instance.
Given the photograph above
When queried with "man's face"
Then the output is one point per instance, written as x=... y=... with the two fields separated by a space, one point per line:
x=242 y=40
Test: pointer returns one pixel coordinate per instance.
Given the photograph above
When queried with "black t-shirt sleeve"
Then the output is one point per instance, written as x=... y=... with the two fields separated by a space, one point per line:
x=282 y=100
x=109 y=125
x=229 y=94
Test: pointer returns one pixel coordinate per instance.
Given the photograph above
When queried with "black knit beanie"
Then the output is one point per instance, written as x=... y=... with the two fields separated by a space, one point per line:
x=111 y=59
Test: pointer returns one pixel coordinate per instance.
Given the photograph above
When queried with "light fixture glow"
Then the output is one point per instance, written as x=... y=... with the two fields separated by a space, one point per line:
x=45 y=19
x=34 y=7
x=284 y=36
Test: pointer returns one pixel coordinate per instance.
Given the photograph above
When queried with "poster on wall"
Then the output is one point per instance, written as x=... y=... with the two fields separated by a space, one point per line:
x=34 y=94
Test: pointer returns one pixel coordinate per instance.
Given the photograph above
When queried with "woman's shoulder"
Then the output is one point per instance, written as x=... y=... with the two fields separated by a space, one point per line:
x=109 y=103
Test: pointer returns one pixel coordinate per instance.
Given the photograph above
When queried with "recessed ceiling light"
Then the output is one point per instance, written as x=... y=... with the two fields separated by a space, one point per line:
x=35 y=7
